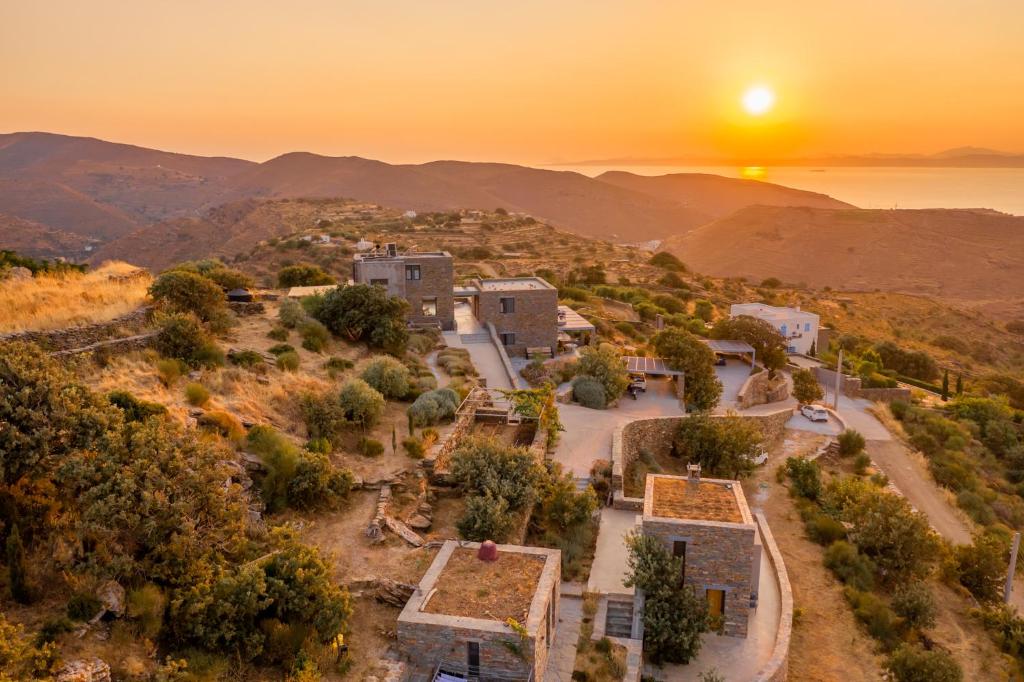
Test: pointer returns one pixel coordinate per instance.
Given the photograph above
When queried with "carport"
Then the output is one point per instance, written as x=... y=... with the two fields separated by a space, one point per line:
x=727 y=347
x=636 y=364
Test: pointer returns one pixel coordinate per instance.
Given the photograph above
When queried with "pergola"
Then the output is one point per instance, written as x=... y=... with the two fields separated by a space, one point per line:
x=636 y=364
x=732 y=348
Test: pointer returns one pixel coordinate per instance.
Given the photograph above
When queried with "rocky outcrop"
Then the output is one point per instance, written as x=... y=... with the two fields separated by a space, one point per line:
x=84 y=670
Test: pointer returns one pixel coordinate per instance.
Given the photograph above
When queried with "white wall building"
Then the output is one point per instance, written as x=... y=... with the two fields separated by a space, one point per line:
x=798 y=327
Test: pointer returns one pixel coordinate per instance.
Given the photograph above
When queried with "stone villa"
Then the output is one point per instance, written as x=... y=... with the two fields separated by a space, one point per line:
x=423 y=278
x=707 y=524
x=482 y=614
x=523 y=310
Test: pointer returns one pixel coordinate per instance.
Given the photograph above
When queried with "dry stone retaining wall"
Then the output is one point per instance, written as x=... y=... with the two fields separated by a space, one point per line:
x=852 y=387
x=758 y=389
x=87 y=335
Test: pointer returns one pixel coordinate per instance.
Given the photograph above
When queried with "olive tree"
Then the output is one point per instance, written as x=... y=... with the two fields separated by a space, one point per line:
x=685 y=352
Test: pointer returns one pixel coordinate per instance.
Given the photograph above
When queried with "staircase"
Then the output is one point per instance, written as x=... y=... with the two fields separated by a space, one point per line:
x=619 y=621
x=478 y=337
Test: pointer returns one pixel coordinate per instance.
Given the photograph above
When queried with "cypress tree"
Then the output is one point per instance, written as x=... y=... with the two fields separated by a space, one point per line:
x=814 y=349
x=394 y=439
x=945 y=386
x=16 y=567
x=959 y=384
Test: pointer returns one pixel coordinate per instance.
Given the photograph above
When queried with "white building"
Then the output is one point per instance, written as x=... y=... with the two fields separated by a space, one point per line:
x=798 y=327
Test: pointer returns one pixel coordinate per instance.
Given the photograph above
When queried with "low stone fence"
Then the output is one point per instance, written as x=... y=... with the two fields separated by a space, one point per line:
x=777 y=667
x=246 y=308
x=80 y=337
x=852 y=387
x=656 y=434
x=758 y=389
x=513 y=377
x=112 y=346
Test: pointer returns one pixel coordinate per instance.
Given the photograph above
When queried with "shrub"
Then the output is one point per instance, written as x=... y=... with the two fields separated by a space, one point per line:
x=209 y=355
x=223 y=423
x=388 y=376
x=456 y=362
x=806 y=477
x=422 y=343
x=666 y=261
x=981 y=566
x=588 y=392
x=360 y=403
x=604 y=364
x=336 y=366
x=899 y=409
x=851 y=567
x=876 y=616
x=912 y=663
x=898 y=539
x=413 y=447
x=288 y=361
x=825 y=530
x=366 y=313
x=861 y=463
x=850 y=443
x=685 y=352
x=246 y=358
x=913 y=602
x=485 y=466
x=135 y=410
x=291 y=313
x=323 y=415
x=83 y=606
x=723 y=446
x=187 y=292
x=146 y=606
x=806 y=388
x=181 y=336
x=314 y=335
x=169 y=371
x=196 y=394
x=317 y=483
x=279 y=348
x=278 y=334
x=433 y=406
x=371 y=447
x=303 y=275
x=486 y=518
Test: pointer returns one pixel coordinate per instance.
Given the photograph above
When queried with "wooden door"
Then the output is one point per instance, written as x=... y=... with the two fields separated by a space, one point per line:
x=716 y=603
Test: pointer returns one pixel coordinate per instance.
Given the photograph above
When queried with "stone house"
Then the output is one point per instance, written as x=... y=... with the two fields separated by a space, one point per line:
x=523 y=310
x=483 y=619
x=707 y=524
x=423 y=278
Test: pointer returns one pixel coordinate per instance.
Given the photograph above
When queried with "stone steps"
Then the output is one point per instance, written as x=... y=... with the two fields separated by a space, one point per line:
x=619 y=619
x=481 y=337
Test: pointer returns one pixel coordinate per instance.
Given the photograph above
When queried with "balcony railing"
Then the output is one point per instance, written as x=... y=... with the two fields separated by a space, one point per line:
x=458 y=672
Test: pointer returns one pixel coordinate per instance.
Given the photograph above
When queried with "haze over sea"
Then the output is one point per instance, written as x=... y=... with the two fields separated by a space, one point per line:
x=1001 y=189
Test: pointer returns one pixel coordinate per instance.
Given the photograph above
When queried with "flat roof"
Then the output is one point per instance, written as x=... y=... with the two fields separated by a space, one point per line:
x=727 y=346
x=573 y=321
x=765 y=310
x=641 y=365
x=302 y=292
x=513 y=284
x=380 y=255
x=675 y=497
x=492 y=590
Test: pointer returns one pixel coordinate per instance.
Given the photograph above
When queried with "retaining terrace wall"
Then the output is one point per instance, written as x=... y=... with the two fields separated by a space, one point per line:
x=852 y=387
x=758 y=389
x=70 y=338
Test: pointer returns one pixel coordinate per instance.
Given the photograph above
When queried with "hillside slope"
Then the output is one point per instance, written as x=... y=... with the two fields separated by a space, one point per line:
x=718 y=196
x=969 y=255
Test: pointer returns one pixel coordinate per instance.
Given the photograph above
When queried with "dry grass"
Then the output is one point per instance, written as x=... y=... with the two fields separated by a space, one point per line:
x=72 y=299
x=494 y=590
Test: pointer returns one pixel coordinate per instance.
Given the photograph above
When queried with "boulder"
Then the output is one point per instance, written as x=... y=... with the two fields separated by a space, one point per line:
x=418 y=522
x=111 y=596
x=19 y=273
x=84 y=670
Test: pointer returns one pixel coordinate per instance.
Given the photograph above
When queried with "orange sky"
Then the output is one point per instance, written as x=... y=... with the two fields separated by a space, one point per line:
x=524 y=81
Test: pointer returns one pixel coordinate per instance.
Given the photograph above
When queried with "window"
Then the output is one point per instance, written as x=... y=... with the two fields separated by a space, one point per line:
x=508 y=339
x=807 y=326
x=473 y=658
x=412 y=272
x=429 y=307
x=379 y=282
x=507 y=304
x=679 y=552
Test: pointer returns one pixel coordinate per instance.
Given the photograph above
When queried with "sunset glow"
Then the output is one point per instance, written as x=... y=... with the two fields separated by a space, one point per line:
x=758 y=100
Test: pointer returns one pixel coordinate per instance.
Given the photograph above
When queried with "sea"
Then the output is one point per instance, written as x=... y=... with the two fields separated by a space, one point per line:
x=1000 y=189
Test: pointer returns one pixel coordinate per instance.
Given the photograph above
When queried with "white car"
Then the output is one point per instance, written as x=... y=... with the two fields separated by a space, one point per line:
x=816 y=413
x=760 y=458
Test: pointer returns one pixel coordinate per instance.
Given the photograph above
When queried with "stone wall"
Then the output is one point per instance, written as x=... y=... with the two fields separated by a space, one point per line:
x=758 y=389
x=112 y=346
x=437 y=280
x=719 y=556
x=515 y=381
x=656 y=434
x=86 y=335
x=246 y=308
x=534 y=322
x=852 y=387
x=777 y=667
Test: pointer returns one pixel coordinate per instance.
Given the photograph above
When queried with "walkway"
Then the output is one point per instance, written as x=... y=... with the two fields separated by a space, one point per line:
x=610 y=567
x=733 y=374
x=562 y=656
x=484 y=355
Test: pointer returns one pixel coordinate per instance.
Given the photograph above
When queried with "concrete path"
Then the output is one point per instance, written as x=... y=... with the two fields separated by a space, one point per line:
x=798 y=422
x=610 y=567
x=854 y=412
x=562 y=656
x=484 y=355
x=733 y=374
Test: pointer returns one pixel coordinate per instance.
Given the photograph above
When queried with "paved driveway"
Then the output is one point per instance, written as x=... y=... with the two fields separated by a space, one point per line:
x=732 y=375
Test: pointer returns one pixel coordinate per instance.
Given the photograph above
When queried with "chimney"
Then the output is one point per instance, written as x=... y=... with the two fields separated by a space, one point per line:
x=693 y=474
x=488 y=551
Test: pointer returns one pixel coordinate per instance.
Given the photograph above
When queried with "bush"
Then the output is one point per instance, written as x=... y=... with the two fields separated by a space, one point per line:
x=851 y=567
x=288 y=361
x=912 y=663
x=314 y=335
x=898 y=539
x=433 y=406
x=182 y=337
x=604 y=364
x=850 y=443
x=196 y=394
x=456 y=362
x=278 y=334
x=83 y=606
x=371 y=447
x=187 y=292
x=806 y=477
x=302 y=479
x=135 y=410
x=413 y=447
x=913 y=602
x=360 y=403
x=875 y=615
x=303 y=275
x=981 y=567
x=806 y=388
x=388 y=376
x=825 y=530
x=146 y=606
x=723 y=446
x=223 y=423
x=279 y=348
x=291 y=314
x=589 y=392
x=336 y=366
x=366 y=313
x=861 y=463
x=169 y=371
x=485 y=466
x=323 y=415
x=486 y=518
x=246 y=358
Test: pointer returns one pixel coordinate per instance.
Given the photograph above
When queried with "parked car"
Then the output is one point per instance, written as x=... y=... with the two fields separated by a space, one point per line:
x=816 y=413
x=638 y=382
x=760 y=458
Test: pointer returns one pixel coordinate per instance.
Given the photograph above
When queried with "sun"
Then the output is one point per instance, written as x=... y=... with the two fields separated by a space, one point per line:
x=758 y=100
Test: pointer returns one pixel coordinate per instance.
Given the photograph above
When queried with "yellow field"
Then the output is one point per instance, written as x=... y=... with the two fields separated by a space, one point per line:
x=56 y=301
